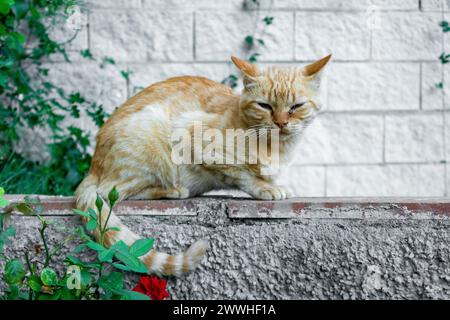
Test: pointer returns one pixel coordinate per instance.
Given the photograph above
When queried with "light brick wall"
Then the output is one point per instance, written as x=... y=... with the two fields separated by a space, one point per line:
x=385 y=128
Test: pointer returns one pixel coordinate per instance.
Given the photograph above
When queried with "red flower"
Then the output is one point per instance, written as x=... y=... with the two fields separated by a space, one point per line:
x=153 y=287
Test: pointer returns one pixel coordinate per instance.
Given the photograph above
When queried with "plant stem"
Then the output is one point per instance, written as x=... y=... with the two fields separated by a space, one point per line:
x=44 y=241
x=100 y=227
x=60 y=246
x=30 y=268
x=27 y=260
x=106 y=226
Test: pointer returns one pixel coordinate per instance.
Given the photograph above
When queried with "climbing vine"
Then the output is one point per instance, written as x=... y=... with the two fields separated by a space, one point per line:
x=30 y=102
x=252 y=43
x=444 y=58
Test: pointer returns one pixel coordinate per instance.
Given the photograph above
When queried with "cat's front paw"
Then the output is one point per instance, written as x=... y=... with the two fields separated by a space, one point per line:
x=180 y=193
x=273 y=193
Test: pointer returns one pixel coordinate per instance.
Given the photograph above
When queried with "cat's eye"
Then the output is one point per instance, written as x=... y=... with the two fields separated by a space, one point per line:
x=265 y=106
x=297 y=106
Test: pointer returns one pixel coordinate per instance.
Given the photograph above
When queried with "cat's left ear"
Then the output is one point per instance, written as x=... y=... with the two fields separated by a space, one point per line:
x=313 y=72
x=315 y=68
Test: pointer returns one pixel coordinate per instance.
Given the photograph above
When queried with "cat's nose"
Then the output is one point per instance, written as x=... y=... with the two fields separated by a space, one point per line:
x=281 y=124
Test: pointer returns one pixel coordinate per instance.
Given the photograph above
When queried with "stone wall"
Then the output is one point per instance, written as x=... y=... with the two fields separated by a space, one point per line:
x=384 y=129
x=296 y=249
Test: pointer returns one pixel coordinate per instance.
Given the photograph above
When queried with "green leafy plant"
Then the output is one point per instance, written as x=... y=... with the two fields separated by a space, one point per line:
x=29 y=101
x=34 y=277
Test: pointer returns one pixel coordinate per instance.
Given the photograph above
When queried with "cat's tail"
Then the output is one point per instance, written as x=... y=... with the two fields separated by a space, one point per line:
x=158 y=263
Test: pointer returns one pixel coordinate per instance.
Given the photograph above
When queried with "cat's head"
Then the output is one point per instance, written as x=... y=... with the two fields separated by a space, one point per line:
x=280 y=98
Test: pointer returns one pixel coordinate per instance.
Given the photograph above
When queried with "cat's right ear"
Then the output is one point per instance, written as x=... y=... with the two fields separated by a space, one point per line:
x=248 y=69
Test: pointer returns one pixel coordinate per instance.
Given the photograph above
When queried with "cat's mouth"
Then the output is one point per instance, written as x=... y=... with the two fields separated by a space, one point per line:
x=284 y=131
x=287 y=132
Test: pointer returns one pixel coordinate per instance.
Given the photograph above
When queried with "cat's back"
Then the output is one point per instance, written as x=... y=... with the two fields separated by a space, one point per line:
x=179 y=94
x=150 y=112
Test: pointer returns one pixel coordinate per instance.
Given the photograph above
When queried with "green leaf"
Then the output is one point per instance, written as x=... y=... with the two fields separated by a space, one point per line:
x=20 y=9
x=19 y=37
x=92 y=213
x=126 y=74
x=445 y=26
x=254 y=57
x=87 y=54
x=249 y=40
x=106 y=255
x=49 y=277
x=141 y=247
x=82 y=213
x=24 y=208
x=67 y=294
x=14 y=272
x=13 y=292
x=268 y=20
x=120 y=245
x=133 y=295
x=10 y=232
x=3 y=203
x=5 y=6
x=120 y=266
x=80 y=248
x=86 y=278
x=445 y=58
x=130 y=260
x=95 y=246
x=55 y=296
x=107 y=60
x=112 y=281
x=91 y=225
x=34 y=282
x=77 y=262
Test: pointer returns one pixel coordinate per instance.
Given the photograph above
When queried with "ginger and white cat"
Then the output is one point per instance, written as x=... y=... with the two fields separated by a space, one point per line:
x=133 y=151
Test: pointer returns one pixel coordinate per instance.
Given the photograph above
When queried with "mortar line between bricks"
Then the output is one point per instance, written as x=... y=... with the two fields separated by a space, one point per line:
x=297 y=218
x=128 y=84
x=226 y=209
x=294 y=33
x=383 y=148
x=420 y=86
x=398 y=112
x=346 y=164
x=261 y=62
x=88 y=13
x=370 y=44
x=177 y=9
x=194 y=38
x=444 y=113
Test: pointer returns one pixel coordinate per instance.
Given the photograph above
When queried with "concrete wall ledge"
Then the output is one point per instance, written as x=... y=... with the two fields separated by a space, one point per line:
x=235 y=207
x=303 y=248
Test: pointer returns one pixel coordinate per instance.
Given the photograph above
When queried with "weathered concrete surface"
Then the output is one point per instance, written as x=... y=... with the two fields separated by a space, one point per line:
x=336 y=249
